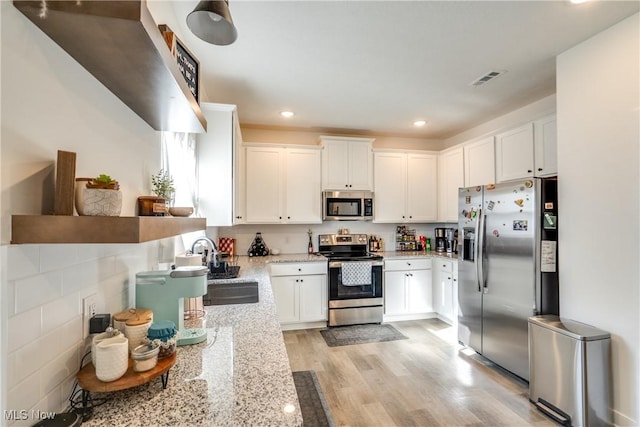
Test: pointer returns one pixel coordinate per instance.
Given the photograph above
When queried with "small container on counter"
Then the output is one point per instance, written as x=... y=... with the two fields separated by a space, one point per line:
x=145 y=357
x=164 y=334
x=120 y=319
x=136 y=328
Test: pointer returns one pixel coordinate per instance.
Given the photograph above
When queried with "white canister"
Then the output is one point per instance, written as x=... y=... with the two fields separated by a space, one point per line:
x=112 y=358
x=95 y=341
x=136 y=332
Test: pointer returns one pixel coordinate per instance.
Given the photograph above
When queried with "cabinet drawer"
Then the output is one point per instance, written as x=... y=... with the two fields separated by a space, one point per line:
x=297 y=269
x=445 y=266
x=407 y=264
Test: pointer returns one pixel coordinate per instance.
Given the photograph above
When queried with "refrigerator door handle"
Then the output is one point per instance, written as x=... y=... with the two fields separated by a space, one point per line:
x=480 y=245
x=477 y=253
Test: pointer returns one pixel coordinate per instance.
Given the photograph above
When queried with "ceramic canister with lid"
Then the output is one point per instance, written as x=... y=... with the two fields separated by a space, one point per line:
x=136 y=329
x=120 y=319
x=145 y=357
x=164 y=334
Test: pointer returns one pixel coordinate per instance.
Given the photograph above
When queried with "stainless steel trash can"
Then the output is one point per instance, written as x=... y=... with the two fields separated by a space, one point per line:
x=570 y=371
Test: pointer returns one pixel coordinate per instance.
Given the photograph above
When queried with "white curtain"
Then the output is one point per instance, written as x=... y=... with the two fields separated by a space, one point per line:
x=179 y=159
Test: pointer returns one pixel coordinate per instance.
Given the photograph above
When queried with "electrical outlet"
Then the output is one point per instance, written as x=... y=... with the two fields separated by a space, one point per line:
x=89 y=309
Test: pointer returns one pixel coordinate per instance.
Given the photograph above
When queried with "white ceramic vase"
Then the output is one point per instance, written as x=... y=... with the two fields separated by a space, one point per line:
x=112 y=358
x=99 y=202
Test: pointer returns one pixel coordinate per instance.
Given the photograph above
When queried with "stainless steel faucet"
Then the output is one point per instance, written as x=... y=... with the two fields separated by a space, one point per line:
x=214 y=250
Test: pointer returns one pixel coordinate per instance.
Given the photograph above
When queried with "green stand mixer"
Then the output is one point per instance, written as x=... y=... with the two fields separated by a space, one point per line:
x=164 y=292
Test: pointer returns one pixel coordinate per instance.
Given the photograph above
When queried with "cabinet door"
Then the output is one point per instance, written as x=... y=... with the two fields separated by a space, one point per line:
x=545 y=146
x=215 y=165
x=419 y=291
x=446 y=305
x=285 y=295
x=335 y=165
x=514 y=154
x=454 y=297
x=239 y=186
x=303 y=189
x=313 y=298
x=390 y=187
x=264 y=185
x=450 y=179
x=422 y=187
x=360 y=166
x=395 y=296
x=479 y=163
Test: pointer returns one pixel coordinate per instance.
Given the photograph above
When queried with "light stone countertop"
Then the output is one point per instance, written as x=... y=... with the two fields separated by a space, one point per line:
x=239 y=377
x=417 y=254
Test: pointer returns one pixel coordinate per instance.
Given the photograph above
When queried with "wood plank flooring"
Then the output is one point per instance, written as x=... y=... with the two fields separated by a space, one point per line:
x=426 y=380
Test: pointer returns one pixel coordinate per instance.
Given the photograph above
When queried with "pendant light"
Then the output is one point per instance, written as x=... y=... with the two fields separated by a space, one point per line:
x=211 y=21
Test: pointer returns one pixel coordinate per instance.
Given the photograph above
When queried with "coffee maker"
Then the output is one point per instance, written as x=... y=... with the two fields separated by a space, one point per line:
x=441 y=245
x=450 y=240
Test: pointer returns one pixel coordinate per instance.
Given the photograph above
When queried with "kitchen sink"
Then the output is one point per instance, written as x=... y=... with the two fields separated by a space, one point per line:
x=231 y=293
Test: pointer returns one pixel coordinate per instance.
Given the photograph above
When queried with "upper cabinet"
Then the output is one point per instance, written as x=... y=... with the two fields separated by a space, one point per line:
x=119 y=43
x=347 y=163
x=283 y=185
x=220 y=177
x=479 y=163
x=527 y=151
x=545 y=146
x=405 y=187
x=450 y=178
x=514 y=153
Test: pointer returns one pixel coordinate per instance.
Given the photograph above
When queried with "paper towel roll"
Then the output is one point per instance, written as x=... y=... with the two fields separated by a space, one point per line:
x=188 y=260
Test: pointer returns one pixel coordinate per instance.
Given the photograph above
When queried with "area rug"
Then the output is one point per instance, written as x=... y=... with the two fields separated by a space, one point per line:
x=314 y=408
x=360 y=334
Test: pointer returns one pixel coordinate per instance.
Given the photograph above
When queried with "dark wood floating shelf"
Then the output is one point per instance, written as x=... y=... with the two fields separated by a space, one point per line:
x=99 y=229
x=120 y=44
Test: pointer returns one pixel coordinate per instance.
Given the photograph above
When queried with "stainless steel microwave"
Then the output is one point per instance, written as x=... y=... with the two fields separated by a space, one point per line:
x=347 y=205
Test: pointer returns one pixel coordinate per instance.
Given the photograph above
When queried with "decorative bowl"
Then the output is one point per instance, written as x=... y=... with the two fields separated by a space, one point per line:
x=178 y=211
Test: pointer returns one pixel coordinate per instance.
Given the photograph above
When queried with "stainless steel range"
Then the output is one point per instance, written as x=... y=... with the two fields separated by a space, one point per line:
x=355 y=279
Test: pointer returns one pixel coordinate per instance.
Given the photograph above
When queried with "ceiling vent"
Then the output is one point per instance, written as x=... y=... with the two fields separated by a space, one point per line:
x=487 y=77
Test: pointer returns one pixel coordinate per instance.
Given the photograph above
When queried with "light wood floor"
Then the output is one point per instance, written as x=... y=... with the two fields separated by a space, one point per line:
x=426 y=380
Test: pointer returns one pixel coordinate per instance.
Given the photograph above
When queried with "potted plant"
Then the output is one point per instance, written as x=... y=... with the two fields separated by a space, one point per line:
x=98 y=196
x=162 y=187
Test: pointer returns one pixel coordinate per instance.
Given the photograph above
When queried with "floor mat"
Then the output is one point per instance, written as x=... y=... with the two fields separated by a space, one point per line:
x=314 y=408
x=360 y=334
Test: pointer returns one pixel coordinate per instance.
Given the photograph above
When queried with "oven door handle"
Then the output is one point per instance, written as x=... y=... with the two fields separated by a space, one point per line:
x=338 y=264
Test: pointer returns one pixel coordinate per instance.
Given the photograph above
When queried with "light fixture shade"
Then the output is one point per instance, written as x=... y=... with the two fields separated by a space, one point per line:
x=211 y=21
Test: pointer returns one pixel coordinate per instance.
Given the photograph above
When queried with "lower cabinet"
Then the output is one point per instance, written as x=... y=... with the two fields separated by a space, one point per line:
x=408 y=289
x=445 y=278
x=300 y=293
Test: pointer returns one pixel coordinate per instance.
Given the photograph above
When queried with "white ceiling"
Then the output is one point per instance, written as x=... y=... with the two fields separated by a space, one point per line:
x=373 y=67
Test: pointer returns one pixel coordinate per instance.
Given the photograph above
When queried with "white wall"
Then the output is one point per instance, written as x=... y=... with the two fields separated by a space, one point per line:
x=49 y=102
x=598 y=162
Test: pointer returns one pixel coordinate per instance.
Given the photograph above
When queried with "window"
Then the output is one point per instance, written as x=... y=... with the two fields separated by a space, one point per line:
x=179 y=160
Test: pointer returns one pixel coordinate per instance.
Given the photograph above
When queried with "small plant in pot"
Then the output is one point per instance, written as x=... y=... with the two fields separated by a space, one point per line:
x=98 y=196
x=162 y=187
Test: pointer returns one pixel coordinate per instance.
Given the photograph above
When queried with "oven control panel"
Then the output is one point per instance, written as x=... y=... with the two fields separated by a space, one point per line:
x=342 y=239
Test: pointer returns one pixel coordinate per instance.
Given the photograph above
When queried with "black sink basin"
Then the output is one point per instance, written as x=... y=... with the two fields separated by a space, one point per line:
x=231 y=293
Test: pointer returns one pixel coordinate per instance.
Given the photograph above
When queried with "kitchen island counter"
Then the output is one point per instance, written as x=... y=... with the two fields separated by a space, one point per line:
x=239 y=376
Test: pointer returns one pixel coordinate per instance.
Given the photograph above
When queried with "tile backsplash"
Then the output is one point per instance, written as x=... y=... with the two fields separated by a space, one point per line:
x=43 y=290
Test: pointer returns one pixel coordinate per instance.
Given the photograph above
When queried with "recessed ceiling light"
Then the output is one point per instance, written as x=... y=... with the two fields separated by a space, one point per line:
x=578 y=1
x=286 y=114
x=419 y=123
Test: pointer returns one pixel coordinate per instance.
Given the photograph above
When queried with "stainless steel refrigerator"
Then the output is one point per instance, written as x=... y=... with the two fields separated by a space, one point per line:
x=507 y=267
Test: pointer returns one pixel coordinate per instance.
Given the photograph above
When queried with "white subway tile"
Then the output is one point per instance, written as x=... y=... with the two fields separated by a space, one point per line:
x=24 y=328
x=88 y=252
x=22 y=261
x=37 y=290
x=10 y=303
x=11 y=378
x=56 y=257
x=79 y=277
x=106 y=267
x=25 y=394
x=46 y=407
x=54 y=373
x=60 y=311
x=62 y=338
x=27 y=360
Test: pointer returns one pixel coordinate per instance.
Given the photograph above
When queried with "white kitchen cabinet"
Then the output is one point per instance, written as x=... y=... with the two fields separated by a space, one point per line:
x=220 y=166
x=514 y=153
x=450 y=179
x=408 y=289
x=545 y=146
x=479 y=162
x=405 y=187
x=282 y=185
x=347 y=163
x=300 y=293
x=443 y=289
